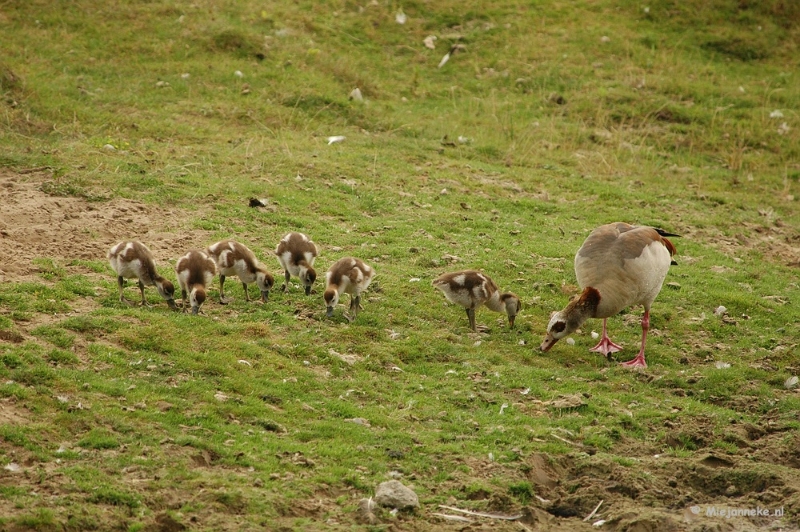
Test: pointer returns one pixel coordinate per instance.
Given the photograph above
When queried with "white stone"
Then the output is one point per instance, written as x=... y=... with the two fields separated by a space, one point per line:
x=394 y=494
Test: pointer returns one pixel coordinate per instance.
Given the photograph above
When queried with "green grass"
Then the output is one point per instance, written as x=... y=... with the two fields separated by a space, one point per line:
x=570 y=116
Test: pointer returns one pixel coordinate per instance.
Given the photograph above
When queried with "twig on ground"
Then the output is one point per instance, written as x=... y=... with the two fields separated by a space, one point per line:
x=34 y=170
x=452 y=517
x=565 y=440
x=593 y=511
x=481 y=514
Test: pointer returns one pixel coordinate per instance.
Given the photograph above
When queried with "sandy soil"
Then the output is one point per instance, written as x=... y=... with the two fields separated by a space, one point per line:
x=34 y=224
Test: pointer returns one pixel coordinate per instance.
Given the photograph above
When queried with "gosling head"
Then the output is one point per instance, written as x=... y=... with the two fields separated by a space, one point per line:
x=308 y=277
x=265 y=282
x=197 y=297
x=513 y=306
x=331 y=297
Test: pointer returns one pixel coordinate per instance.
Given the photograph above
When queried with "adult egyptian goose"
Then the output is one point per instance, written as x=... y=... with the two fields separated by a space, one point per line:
x=618 y=265
x=347 y=276
x=133 y=260
x=195 y=272
x=233 y=258
x=471 y=289
x=296 y=253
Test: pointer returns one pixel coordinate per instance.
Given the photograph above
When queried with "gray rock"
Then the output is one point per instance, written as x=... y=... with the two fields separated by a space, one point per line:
x=394 y=494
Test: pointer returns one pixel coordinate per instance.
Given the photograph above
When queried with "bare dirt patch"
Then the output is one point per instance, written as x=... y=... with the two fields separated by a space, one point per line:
x=644 y=492
x=34 y=224
x=777 y=241
x=10 y=413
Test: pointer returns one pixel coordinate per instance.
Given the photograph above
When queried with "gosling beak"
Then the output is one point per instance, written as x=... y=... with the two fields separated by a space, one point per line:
x=308 y=289
x=330 y=312
x=511 y=321
x=171 y=303
x=195 y=310
x=265 y=295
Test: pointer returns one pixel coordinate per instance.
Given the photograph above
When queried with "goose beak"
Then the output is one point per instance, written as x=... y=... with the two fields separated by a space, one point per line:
x=548 y=342
x=329 y=313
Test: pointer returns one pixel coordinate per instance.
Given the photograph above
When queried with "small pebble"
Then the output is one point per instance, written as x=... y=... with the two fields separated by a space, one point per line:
x=356 y=95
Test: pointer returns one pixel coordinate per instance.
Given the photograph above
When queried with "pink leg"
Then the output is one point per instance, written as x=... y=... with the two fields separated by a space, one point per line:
x=638 y=361
x=606 y=346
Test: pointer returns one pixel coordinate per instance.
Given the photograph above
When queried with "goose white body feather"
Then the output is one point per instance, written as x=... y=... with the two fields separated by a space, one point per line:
x=619 y=265
x=631 y=281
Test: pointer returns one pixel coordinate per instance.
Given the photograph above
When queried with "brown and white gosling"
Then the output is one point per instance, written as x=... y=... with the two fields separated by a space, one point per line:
x=618 y=265
x=347 y=276
x=195 y=272
x=133 y=260
x=296 y=253
x=233 y=258
x=471 y=289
